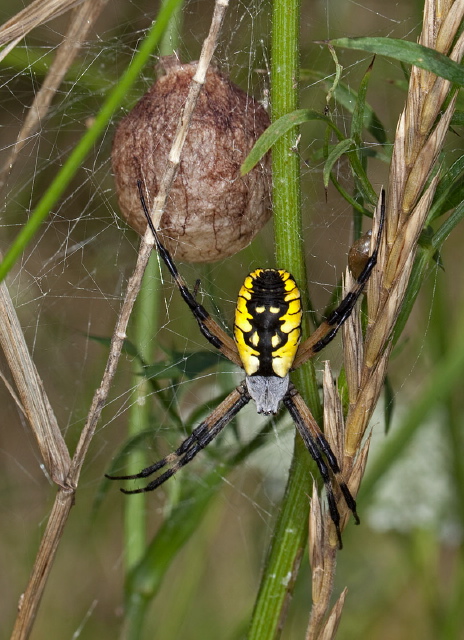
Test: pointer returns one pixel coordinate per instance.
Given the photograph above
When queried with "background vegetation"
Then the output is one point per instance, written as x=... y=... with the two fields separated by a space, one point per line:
x=403 y=566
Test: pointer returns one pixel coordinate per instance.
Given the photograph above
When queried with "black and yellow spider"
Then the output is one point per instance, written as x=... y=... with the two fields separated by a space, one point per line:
x=266 y=344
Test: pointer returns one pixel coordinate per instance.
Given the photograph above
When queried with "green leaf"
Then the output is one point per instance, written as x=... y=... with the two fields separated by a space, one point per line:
x=357 y=206
x=450 y=190
x=450 y=223
x=333 y=157
x=363 y=184
x=279 y=128
x=408 y=52
x=338 y=75
x=389 y=400
x=347 y=98
x=357 y=122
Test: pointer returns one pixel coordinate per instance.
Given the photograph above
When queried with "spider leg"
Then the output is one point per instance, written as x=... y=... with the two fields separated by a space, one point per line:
x=209 y=328
x=319 y=448
x=200 y=437
x=328 y=329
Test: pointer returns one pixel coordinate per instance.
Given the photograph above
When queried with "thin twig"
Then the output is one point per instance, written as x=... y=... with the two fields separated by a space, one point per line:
x=64 y=500
x=146 y=244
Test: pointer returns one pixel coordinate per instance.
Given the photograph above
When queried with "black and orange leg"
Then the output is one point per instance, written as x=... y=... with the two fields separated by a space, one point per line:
x=322 y=454
x=209 y=328
x=328 y=329
x=200 y=438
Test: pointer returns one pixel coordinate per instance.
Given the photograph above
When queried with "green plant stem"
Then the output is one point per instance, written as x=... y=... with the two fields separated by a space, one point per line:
x=145 y=326
x=291 y=530
x=171 y=37
x=81 y=150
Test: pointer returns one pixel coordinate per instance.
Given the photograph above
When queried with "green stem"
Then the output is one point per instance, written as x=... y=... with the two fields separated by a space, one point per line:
x=145 y=327
x=292 y=527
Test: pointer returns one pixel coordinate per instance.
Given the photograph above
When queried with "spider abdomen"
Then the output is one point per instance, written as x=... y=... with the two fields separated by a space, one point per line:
x=267 y=327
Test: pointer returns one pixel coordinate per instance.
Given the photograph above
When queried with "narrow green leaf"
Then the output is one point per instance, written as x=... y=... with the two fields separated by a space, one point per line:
x=357 y=121
x=279 y=128
x=363 y=184
x=338 y=74
x=408 y=52
x=347 y=98
x=333 y=157
x=450 y=190
x=357 y=206
x=144 y=581
x=450 y=223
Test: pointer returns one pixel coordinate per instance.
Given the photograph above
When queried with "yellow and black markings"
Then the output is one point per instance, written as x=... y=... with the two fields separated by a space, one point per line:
x=267 y=326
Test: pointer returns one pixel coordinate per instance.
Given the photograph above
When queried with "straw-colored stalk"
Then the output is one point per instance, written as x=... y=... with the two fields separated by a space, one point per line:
x=13 y=31
x=34 y=402
x=412 y=182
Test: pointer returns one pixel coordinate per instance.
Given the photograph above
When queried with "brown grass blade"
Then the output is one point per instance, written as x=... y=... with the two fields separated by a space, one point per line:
x=81 y=21
x=33 y=398
x=38 y=12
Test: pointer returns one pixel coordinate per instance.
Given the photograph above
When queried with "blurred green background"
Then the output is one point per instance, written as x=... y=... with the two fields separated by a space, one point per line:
x=403 y=566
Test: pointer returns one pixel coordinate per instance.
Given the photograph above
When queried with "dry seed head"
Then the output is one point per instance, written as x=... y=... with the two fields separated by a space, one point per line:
x=374 y=287
x=333 y=415
x=449 y=27
x=419 y=139
x=353 y=345
x=359 y=467
x=212 y=212
x=316 y=544
x=360 y=414
x=330 y=628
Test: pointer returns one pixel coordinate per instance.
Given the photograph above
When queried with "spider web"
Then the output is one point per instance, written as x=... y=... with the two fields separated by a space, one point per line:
x=68 y=286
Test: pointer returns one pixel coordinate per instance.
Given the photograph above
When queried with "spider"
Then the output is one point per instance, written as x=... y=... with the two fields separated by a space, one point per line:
x=266 y=344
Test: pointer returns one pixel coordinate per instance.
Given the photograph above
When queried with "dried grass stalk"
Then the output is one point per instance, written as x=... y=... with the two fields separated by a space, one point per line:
x=333 y=620
x=38 y=12
x=419 y=140
x=81 y=21
x=64 y=500
x=32 y=397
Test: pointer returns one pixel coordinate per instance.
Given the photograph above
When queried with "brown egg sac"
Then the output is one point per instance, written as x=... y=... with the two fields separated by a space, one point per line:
x=212 y=211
